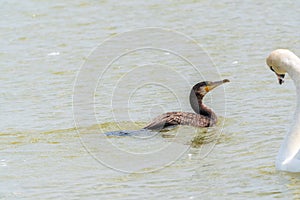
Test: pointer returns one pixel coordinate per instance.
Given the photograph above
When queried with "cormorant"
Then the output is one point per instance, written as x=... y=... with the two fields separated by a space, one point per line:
x=203 y=116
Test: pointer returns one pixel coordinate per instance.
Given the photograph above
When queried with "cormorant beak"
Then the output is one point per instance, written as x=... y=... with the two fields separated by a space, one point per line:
x=215 y=84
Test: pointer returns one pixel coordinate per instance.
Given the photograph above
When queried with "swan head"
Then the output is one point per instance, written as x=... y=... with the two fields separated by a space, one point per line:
x=279 y=61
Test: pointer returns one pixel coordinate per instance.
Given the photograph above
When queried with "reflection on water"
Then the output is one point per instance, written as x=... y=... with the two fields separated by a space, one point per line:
x=42 y=156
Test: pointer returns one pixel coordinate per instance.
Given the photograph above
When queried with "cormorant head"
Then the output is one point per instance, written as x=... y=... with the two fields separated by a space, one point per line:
x=202 y=88
x=278 y=61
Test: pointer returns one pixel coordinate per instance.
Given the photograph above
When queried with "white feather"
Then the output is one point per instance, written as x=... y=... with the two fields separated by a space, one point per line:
x=288 y=159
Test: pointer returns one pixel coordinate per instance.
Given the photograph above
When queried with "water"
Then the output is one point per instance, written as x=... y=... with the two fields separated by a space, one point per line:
x=42 y=156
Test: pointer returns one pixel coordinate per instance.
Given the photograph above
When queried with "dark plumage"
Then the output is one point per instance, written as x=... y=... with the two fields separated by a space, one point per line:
x=203 y=116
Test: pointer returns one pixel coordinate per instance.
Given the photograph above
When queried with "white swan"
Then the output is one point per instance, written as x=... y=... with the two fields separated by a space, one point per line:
x=283 y=61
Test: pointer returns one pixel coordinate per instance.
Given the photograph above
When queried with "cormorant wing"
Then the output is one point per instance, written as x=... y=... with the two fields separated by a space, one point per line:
x=179 y=118
x=165 y=120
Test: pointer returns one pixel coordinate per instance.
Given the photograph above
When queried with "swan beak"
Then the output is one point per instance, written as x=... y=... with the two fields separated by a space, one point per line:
x=215 y=84
x=280 y=78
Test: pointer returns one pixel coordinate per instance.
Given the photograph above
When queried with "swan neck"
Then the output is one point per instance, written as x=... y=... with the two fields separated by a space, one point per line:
x=293 y=69
x=291 y=144
x=298 y=101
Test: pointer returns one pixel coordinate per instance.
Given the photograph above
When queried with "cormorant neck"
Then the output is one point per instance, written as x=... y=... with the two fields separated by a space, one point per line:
x=205 y=110
x=199 y=107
